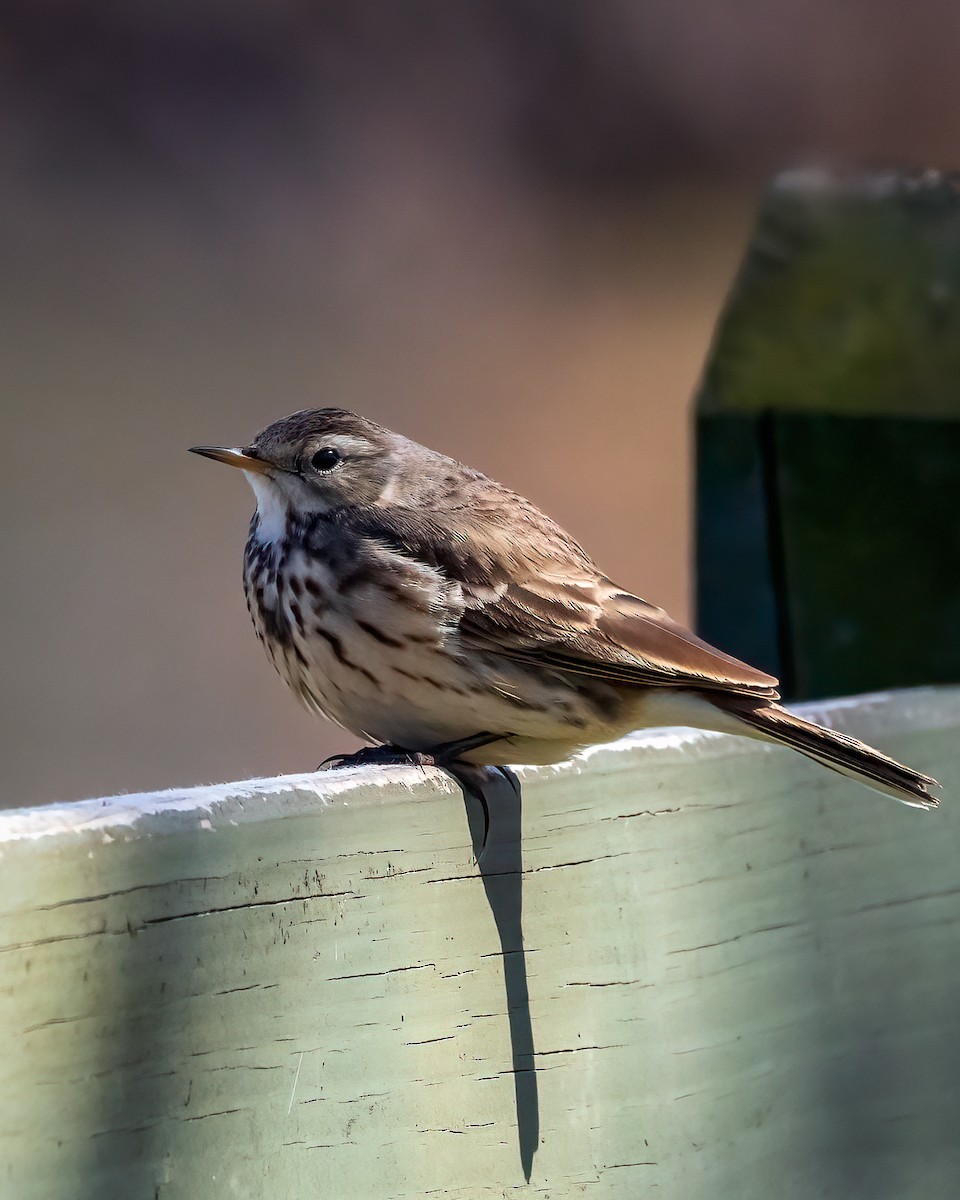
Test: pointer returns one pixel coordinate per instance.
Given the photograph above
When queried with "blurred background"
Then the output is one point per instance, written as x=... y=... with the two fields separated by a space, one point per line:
x=504 y=229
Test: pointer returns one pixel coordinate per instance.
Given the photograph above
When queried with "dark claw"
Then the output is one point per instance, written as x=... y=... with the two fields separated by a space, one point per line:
x=473 y=781
x=369 y=756
x=511 y=777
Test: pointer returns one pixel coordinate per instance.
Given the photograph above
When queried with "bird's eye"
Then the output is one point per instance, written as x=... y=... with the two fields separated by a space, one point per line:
x=325 y=459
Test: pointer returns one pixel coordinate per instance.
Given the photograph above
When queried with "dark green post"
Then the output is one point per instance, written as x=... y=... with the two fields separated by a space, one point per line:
x=828 y=439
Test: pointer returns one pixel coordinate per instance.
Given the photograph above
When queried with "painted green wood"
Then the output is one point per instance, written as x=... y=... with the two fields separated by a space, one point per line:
x=870 y=552
x=848 y=300
x=828 y=427
x=739 y=976
x=738 y=585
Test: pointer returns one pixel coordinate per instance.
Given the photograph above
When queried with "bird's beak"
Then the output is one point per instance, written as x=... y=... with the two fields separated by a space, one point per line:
x=234 y=457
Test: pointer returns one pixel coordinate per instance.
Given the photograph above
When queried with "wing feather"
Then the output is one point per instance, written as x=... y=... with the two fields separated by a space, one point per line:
x=527 y=591
x=618 y=637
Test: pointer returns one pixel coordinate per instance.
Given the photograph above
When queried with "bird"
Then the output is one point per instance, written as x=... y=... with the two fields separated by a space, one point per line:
x=433 y=612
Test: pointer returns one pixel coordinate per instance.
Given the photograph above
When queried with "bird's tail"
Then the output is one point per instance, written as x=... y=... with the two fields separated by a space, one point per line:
x=836 y=750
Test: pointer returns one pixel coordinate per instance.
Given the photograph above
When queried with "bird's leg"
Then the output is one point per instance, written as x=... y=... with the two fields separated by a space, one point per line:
x=389 y=755
x=445 y=753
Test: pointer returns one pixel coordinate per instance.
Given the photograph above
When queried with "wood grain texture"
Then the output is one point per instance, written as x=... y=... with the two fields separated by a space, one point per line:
x=743 y=977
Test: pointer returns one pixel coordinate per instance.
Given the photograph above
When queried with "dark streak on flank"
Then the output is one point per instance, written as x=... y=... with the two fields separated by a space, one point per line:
x=338 y=652
x=378 y=635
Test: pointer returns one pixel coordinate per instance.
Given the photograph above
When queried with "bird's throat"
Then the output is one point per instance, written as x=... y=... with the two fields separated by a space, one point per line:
x=273 y=511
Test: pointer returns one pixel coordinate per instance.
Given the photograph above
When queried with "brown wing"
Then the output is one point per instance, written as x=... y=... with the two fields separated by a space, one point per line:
x=598 y=630
x=530 y=592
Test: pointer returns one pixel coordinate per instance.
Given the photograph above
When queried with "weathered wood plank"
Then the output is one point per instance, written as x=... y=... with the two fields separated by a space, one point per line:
x=743 y=979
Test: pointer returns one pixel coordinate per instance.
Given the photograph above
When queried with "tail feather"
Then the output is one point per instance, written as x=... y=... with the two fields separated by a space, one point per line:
x=838 y=751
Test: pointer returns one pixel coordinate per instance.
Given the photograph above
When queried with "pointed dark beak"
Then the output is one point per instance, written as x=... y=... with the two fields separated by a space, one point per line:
x=234 y=457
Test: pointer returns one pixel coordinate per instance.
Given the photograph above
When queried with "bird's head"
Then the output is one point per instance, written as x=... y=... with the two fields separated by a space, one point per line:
x=317 y=460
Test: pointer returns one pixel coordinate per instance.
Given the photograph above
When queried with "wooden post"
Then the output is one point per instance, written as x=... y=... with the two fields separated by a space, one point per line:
x=828 y=435
x=735 y=974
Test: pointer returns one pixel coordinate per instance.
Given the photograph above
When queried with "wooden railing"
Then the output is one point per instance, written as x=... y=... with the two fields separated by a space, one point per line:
x=732 y=974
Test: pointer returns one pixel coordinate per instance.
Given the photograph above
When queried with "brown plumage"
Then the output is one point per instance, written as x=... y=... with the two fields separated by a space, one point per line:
x=419 y=603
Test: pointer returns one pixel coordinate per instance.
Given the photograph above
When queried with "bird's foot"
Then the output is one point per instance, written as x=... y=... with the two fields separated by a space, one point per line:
x=472 y=778
x=445 y=754
x=373 y=756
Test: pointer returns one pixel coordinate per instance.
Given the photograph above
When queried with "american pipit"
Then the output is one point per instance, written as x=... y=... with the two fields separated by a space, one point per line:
x=422 y=605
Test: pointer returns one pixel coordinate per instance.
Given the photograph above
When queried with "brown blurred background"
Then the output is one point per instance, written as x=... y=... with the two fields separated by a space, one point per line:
x=504 y=229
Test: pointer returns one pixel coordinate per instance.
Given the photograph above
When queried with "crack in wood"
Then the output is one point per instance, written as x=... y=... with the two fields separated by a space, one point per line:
x=250 y=904
x=389 y=971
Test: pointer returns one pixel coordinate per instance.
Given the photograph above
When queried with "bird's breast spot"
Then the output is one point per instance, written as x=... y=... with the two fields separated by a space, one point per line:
x=315 y=576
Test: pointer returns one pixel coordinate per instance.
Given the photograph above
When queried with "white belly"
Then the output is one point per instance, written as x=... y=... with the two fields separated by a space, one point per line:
x=391 y=670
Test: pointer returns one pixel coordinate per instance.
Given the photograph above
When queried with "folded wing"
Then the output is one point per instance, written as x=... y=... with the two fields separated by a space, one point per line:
x=593 y=628
x=526 y=590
